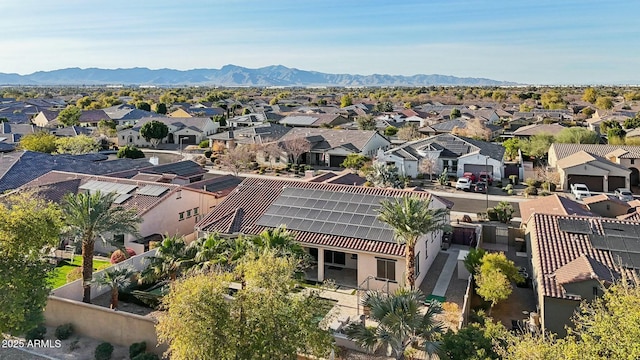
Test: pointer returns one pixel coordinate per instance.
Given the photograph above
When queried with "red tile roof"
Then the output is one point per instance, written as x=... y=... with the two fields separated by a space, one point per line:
x=240 y=211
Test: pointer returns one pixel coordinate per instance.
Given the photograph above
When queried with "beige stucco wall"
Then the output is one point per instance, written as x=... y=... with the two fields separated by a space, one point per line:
x=608 y=208
x=557 y=314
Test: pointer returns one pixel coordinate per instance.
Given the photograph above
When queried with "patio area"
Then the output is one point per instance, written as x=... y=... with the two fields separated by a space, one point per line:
x=343 y=278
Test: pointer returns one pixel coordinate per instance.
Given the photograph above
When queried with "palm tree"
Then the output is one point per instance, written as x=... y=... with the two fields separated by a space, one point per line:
x=116 y=279
x=92 y=216
x=213 y=251
x=410 y=217
x=172 y=257
x=400 y=323
x=280 y=240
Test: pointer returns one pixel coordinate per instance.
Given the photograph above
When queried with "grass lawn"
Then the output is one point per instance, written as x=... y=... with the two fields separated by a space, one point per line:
x=59 y=274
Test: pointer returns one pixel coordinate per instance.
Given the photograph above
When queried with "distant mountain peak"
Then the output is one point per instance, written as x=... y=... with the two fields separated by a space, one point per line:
x=231 y=75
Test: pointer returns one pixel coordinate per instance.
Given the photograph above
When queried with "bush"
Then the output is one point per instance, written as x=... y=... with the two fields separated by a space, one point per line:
x=492 y=214
x=547 y=186
x=103 y=351
x=544 y=193
x=510 y=192
x=208 y=154
x=37 y=333
x=130 y=152
x=74 y=274
x=531 y=190
x=64 y=331
x=137 y=348
x=530 y=182
x=146 y=356
x=507 y=188
x=204 y=144
x=118 y=256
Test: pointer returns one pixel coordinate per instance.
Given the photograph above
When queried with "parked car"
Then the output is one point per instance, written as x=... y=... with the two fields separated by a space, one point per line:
x=463 y=183
x=580 y=191
x=480 y=187
x=486 y=177
x=624 y=194
x=471 y=176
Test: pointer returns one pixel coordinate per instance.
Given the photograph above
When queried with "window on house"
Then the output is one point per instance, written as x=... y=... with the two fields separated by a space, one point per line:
x=386 y=269
x=334 y=257
x=196 y=211
x=416 y=261
x=189 y=213
x=181 y=216
x=313 y=252
x=118 y=239
x=633 y=161
x=454 y=166
x=123 y=139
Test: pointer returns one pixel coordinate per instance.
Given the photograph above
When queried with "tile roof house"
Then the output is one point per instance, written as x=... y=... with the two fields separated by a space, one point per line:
x=572 y=256
x=164 y=208
x=257 y=134
x=607 y=205
x=183 y=131
x=12 y=133
x=457 y=154
x=346 y=177
x=313 y=120
x=537 y=129
x=552 y=205
x=179 y=172
x=336 y=224
x=601 y=167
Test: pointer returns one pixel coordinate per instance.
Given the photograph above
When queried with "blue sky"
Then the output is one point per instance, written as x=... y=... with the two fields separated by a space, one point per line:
x=538 y=42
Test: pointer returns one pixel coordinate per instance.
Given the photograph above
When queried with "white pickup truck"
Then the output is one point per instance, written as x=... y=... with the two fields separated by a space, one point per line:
x=580 y=191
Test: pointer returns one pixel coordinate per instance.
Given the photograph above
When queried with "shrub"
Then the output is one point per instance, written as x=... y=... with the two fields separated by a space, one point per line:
x=531 y=190
x=103 y=351
x=530 y=182
x=492 y=214
x=204 y=144
x=510 y=192
x=118 y=256
x=137 y=348
x=507 y=188
x=64 y=331
x=208 y=154
x=547 y=186
x=544 y=193
x=146 y=356
x=37 y=333
x=74 y=274
x=130 y=152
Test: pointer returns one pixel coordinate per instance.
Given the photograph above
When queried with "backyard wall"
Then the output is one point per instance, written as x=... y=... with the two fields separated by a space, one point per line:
x=116 y=327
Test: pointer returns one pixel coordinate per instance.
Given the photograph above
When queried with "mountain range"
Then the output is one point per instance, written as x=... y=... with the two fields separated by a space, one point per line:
x=231 y=75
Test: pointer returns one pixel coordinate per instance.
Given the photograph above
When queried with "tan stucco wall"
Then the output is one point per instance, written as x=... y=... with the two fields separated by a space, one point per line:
x=614 y=209
x=557 y=314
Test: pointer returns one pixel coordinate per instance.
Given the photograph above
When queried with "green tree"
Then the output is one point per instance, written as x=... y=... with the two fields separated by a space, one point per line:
x=473 y=260
x=511 y=147
x=116 y=280
x=455 y=113
x=616 y=133
x=576 y=135
x=604 y=103
x=354 y=161
x=130 y=152
x=280 y=241
x=70 y=116
x=410 y=217
x=401 y=323
x=383 y=175
x=552 y=100
x=29 y=227
x=590 y=95
x=607 y=125
x=524 y=107
x=504 y=210
x=632 y=123
x=346 y=100
x=493 y=286
x=366 y=122
x=172 y=258
x=161 y=108
x=40 y=141
x=89 y=217
x=81 y=144
x=390 y=131
x=154 y=131
x=499 y=96
x=383 y=106
x=538 y=146
x=263 y=320
x=587 y=112
x=143 y=105
x=107 y=127
x=472 y=342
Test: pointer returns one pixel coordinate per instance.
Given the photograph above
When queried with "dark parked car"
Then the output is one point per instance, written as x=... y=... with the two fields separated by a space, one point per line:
x=481 y=187
x=486 y=177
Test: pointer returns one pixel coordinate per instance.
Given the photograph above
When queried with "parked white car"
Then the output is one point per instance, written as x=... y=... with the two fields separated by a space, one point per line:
x=580 y=191
x=463 y=183
x=624 y=194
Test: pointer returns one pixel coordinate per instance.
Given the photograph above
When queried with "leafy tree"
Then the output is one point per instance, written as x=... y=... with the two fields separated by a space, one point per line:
x=70 y=116
x=472 y=342
x=499 y=261
x=590 y=95
x=538 y=146
x=473 y=260
x=499 y=96
x=346 y=100
x=107 y=127
x=143 y=105
x=116 y=280
x=632 y=123
x=263 y=320
x=384 y=106
x=410 y=217
x=130 y=152
x=40 y=141
x=409 y=132
x=604 y=103
x=81 y=144
x=354 y=161
x=493 y=286
x=606 y=125
x=577 y=135
x=552 y=100
x=383 y=175
x=92 y=216
x=29 y=227
x=616 y=133
x=511 y=147
x=280 y=241
x=401 y=323
x=236 y=159
x=455 y=113
x=390 y=131
x=588 y=112
x=154 y=131
x=366 y=122
x=524 y=107
x=161 y=108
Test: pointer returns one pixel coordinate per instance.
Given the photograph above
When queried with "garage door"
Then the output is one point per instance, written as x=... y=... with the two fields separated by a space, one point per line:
x=476 y=169
x=594 y=183
x=616 y=182
x=336 y=160
x=188 y=139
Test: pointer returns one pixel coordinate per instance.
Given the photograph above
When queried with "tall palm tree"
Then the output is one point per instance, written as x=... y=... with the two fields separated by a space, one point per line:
x=280 y=240
x=410 y=217
x=116 y=279
x=94 y=216
x=212 y=251
x=172 y=257
x=400 y=323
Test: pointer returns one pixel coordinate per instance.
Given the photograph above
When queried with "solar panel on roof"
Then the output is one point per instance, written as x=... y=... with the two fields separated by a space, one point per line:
x=599 y=242
x=121 y=198
x=632 y=244
x=576 y=226
x=616 y=244
x=107 y=187
x=152 y=190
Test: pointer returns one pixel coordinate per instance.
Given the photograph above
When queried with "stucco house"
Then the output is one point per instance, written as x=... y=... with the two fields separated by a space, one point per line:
x=607 y=205
x=455 y=153
x=572 y=257
x=313 y=120
x=183 y=131
x=336 y=224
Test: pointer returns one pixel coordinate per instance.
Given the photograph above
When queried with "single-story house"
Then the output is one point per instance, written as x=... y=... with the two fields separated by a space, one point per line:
x=552 y=205
x=572 y=257
x=607 y=205
x=313 y=120
x=598 y=173
x=537 y=129
x=457 y=154
x=251 y=135
x=183 y=131
x=336 y=224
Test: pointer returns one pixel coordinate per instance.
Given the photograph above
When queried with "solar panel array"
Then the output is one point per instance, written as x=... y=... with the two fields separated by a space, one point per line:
x=152 y=190
x=121 y=198
x=328 y=212
x=575 y=226
x=622 y=241
x=107 y=187
x=299 y=120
